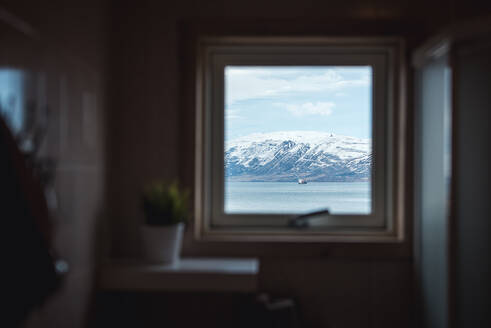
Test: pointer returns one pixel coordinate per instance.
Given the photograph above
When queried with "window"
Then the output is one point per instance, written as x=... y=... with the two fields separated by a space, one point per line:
x=289 y=126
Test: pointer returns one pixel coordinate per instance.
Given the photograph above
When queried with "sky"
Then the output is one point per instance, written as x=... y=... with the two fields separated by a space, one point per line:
x=12 y=96
x=262 y=99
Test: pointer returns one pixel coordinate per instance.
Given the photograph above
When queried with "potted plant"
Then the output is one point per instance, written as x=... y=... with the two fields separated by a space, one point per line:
x=166 y=209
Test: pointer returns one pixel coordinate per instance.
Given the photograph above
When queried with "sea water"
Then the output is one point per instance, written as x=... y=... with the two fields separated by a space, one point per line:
x=291 y=197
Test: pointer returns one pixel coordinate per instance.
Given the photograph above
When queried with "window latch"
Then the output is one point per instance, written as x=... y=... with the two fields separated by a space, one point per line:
x=302 y=221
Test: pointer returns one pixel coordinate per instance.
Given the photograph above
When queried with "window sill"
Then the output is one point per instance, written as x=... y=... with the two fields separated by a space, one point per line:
x=189 y=274
x=275 y=235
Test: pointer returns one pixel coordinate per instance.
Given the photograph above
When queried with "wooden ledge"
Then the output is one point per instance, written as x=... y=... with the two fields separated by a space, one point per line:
x=188 y=274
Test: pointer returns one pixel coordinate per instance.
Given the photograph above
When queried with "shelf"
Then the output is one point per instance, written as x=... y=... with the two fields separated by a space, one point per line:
x=188 y=274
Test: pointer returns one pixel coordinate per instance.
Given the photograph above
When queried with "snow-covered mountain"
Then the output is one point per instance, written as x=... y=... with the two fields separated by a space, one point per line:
x=289 y=155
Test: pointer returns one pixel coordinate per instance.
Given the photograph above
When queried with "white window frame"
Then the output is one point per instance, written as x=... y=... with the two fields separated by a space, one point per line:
x=214 y=54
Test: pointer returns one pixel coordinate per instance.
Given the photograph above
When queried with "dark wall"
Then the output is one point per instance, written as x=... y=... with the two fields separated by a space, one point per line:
x=452 y=198
x=473 y=227
x=152 y=84
x=152 y=136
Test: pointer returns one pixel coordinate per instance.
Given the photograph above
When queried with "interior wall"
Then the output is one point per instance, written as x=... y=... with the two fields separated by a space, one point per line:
x=152 y=137
x=152 y=129
x=152 y=119
x=472 y=244
x=60 y=48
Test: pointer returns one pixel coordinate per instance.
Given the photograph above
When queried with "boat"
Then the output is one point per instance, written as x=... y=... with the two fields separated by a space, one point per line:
x=302 y=181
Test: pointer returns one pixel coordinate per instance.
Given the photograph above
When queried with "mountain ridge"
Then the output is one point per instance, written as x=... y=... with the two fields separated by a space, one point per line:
x=290 y=155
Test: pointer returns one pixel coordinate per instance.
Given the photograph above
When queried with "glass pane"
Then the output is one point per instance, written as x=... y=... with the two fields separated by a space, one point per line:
x=12 y=98
x=298 y=139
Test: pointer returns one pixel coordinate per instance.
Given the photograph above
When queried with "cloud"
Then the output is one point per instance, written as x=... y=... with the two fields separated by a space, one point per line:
x=308 y=108
x=232 y=114
x=245 y=83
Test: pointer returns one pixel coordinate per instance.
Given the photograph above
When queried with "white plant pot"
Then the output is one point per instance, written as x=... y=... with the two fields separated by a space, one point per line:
x=162 y=244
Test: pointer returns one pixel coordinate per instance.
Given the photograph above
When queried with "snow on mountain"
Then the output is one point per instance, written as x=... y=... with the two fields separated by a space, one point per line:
x=289 y=155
